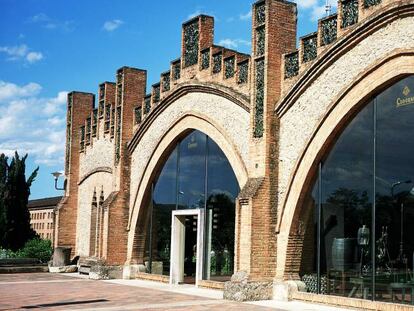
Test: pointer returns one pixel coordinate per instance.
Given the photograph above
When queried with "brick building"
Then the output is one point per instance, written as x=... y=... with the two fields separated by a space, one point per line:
x=42 y=219
x=290 y=167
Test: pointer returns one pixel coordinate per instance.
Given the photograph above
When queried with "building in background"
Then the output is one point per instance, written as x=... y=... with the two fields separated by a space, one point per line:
x=289 y=168
x=42 y=216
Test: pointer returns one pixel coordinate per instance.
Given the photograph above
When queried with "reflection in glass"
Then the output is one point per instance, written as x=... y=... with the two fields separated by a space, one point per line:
x=394 y=199
x=346 y=194
x=220 y=215
x=195 y=170
x=366 y=248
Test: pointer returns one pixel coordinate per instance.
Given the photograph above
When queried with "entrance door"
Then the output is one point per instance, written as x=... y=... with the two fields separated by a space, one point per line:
x=187 y=246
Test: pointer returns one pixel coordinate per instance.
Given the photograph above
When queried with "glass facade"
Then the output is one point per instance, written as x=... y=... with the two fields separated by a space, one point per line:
x=359 y=215
x=196 y=175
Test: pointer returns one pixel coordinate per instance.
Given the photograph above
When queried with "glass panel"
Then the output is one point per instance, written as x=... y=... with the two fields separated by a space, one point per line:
x=346 y=194
x=395 y=195
x=182 y=184
x=191 y=180
x=309 y=268
x=220 y=215
x=163 y=203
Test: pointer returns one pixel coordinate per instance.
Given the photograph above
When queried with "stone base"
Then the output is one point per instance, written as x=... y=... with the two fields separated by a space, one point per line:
x=131 y=271
x=240 y=288
x=103 y=272
x=157 y=267
x=61 y=256
x=63 y=269
x=283 y=290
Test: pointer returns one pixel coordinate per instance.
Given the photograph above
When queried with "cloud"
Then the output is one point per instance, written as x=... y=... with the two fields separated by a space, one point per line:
x=47 y=22
x=32 y=124
x=15 y=52
x=12 y=91
x=21 y=52
x=194 y=14
x=318 y=12
x=33 y=57
x=39 y=18
x=246 y=17
x=306 y=4
x=234 y=43
x=112 y=25
x=315 y=9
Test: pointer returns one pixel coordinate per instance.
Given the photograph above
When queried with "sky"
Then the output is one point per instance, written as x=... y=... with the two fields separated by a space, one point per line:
x=49 y=48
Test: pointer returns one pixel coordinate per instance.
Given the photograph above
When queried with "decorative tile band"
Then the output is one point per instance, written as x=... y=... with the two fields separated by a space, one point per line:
x=68 y=142
x=119 y=86
x=205 y=59
x=291 y=65
x=260 y=13
x=191 y=36
x=88 y=125
x=349 y=13
x=329 y=30
x=176 y=70
x=260 y=41
x=243 y=75
x=259 y=100
x=156 y=93
x=68 y=132
x=217 y=58
x=147 y=104
x=112 y=122
x=166 y=82
x=107 y=117
x=82 y=137
x=118 y=134
x=310 y=48
x=101 y=108
x=95 y=122
x=138 y=114
x=369 y=3
x=101 y=91
x=229 y=67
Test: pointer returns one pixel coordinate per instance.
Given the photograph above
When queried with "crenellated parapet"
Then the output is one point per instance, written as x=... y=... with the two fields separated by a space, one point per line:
x=201 y=61
x=331 y=29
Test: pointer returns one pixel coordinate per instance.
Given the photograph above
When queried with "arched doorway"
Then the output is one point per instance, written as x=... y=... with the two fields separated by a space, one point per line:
x=195 y=175
x=358 y=217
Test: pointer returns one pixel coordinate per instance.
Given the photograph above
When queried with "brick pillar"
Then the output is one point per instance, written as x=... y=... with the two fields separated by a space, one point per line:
x=274 y=33
x=80 y=106
x=130 y=91
x=197 y=34
x=106 y=97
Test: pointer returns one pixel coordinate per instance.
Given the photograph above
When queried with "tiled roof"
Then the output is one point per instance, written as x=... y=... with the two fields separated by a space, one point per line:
x=44 y=202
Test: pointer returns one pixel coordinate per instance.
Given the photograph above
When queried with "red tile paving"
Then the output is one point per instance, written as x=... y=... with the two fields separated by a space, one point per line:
x=57 y=292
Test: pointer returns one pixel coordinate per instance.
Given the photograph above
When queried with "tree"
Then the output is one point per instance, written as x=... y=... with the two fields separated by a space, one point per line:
x=15 y=227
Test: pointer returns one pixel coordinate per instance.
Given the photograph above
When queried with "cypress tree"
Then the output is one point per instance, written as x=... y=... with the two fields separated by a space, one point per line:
x=3 y=178
x=16 y=190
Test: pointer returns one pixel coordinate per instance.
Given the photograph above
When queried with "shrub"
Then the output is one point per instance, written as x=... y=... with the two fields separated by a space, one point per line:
x=37 y=248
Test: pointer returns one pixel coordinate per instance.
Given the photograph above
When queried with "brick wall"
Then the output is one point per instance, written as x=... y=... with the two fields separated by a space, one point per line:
x=134 y=84
x=280 y=37
x=82 y=106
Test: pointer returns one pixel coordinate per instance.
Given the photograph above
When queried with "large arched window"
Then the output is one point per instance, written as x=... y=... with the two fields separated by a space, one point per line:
x=196 y=175
x=359 y=215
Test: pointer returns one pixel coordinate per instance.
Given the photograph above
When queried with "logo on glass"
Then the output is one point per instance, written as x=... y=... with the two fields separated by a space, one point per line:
x=406 y=100
x=406 y=91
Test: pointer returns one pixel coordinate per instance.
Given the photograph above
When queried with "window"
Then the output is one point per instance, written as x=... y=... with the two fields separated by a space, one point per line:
x=197 y=175
x=359 y=215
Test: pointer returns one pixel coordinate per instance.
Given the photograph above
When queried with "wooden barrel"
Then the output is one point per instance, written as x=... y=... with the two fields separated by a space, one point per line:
x=343 y=253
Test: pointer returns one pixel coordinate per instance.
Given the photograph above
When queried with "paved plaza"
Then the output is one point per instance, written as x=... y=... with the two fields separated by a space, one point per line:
x=63 y=292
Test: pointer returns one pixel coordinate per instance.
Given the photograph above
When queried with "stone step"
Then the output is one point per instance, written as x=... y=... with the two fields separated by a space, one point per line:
x=24 y=269
x=18 y=262
x=84 y=269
